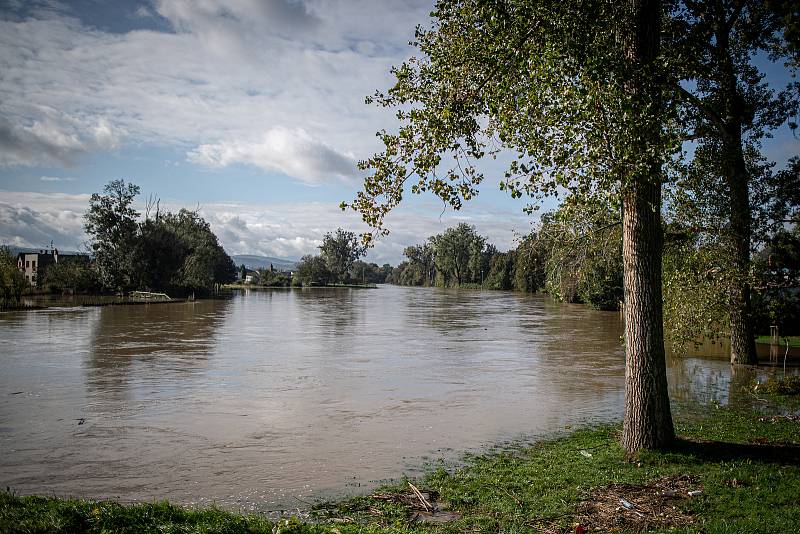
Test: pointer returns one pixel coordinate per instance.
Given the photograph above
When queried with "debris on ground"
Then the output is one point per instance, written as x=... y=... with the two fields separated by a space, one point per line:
x=779 y=418
x=636 y=508
x=423 y=506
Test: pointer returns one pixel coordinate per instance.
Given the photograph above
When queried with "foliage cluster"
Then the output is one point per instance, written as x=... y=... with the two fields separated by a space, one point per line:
x=338 y=263
x=573 y=256
x=788 y=385
x=12 y=280
x=698 y=276
x=457 y=257
x=174 y=252
x=272 y=278
x=70 y=274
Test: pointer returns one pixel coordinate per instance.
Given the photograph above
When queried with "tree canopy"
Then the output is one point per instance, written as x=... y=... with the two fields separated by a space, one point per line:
x=12 y=280
x=169 y=251
x=111 y=222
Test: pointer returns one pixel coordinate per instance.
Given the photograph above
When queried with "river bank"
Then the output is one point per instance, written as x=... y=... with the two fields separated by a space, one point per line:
x=292 y=286
x=732 y=470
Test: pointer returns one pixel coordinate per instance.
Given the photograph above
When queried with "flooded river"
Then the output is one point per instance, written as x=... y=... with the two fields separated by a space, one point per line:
x=272 y=398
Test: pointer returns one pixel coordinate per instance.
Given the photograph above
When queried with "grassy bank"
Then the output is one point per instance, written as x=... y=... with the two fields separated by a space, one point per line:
x=745 y=466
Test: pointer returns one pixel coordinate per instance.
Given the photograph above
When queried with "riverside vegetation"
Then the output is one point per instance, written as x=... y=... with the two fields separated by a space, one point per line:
x=636 y=83
x=742 y=467
x=577 y=258
x=162 y=251
x=608 y=105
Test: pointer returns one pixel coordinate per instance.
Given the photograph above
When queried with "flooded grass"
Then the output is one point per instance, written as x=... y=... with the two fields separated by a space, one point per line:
x=733 y=470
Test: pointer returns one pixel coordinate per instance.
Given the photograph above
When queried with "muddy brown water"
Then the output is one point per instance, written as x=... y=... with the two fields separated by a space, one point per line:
x=271 y=399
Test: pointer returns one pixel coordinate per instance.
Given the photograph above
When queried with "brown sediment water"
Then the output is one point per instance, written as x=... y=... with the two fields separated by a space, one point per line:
x=270 y=399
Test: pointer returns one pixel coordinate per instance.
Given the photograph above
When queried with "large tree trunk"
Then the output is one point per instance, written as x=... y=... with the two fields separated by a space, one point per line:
x=648 y=420
x=743 y=344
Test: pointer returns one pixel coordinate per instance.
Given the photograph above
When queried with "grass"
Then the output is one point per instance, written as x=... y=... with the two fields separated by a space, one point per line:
x=747 y=466
x=794 y=341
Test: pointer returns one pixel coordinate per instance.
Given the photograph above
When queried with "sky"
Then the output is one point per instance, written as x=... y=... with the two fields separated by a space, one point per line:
x=251 y=111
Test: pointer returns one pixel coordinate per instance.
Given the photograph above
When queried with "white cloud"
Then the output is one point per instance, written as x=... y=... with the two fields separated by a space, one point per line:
x=287 y=230
x=229 y=71
x=291 y=152
x=35 y=219
x=291 y=230
x=57 y=179
x=52 y=138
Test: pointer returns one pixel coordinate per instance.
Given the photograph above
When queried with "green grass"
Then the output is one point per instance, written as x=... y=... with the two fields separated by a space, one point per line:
x=747 y=464
x=794 y=341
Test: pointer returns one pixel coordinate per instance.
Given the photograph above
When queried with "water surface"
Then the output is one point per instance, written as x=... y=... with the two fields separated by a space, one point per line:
x=271 y=398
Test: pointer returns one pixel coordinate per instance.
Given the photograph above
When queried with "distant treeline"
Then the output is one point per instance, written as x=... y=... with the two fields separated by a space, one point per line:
x=575 y=255
x=337 y=263
x=554 y=259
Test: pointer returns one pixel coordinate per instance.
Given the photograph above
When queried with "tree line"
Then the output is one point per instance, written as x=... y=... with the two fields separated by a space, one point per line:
x=162 y=251
x=338 y=262
x=575 y=255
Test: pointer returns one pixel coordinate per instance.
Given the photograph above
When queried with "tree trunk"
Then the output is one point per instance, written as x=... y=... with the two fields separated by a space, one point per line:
x=743 y=344
x=648 y=420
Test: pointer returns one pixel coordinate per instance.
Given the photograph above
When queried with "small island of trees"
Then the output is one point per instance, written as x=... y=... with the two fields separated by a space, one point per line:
x=175 y=253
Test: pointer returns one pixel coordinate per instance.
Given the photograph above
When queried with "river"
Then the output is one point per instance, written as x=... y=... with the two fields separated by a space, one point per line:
x=270 y=399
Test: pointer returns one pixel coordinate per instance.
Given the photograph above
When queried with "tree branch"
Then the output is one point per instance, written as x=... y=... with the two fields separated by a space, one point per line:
x=699 y=104
x=737 y=10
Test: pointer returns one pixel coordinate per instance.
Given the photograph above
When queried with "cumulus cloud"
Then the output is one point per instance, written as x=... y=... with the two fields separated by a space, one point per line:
x=299 y=69
x=285 y=16
x=291 y=152
x=23 y=226
x=290 y=230
x=53 y=140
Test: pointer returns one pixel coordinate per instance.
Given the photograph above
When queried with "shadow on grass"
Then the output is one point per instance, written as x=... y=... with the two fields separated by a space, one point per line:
x=722 y=451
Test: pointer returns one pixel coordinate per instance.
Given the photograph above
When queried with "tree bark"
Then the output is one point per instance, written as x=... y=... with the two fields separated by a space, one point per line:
x=743 y=344
x=648 y=419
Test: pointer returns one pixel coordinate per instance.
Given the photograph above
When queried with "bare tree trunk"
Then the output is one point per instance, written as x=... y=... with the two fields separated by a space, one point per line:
x=648 y=419
x=743 y=344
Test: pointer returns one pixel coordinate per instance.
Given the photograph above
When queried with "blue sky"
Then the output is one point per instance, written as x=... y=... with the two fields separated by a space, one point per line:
x=251 y=110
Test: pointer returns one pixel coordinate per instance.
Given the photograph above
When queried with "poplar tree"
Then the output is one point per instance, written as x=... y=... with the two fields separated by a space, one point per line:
x=573 y=91
x=728 y=109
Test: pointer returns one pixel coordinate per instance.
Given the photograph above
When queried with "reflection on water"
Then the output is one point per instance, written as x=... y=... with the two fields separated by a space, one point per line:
x=277 y=395
x=168 y=342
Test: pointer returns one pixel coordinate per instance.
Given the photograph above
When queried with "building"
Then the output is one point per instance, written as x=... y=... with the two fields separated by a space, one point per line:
x=251 y=277
x=33 y=264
